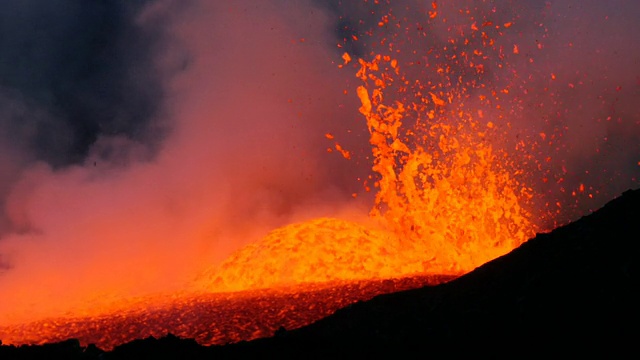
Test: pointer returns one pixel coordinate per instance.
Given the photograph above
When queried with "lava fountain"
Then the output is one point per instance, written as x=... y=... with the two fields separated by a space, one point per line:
x=446 y=199
x=445 y=204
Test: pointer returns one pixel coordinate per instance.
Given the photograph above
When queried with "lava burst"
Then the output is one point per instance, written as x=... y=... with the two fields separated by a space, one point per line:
x=446 y=201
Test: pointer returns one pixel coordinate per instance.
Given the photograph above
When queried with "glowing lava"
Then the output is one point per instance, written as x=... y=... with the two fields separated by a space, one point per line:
x=446 y=203
x=441 y=186
x=450 y=193
x=211 y=319
x=449 y=196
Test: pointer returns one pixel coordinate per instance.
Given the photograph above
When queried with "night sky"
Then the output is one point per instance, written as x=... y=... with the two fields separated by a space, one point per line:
x=161 y=135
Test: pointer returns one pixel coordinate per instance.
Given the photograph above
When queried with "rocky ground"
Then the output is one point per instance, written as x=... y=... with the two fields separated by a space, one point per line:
x=212 y=319
x=570 y=292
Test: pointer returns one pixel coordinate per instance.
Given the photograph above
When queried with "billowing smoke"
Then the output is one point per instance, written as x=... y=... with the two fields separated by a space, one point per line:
x=143 y=140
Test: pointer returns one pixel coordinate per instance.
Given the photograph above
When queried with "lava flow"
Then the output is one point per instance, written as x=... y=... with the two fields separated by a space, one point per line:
x=448 y=198
x=211 y=319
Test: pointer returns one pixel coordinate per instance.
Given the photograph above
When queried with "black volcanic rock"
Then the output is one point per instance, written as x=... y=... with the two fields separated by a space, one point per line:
x=69 y=349
x=568 y=292
x=168 y=347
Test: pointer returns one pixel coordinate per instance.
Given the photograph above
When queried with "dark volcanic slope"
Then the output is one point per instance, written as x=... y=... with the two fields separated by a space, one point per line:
x=572 y=289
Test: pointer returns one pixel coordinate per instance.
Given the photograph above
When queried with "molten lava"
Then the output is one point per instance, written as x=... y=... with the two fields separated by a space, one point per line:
x=449 y=198
x=319 y=250
x=441 y=187
x=210 y=319
x=446 y=201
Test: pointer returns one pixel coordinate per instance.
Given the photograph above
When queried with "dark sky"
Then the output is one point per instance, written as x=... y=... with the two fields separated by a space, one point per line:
x=79 y=69
x=191 y=127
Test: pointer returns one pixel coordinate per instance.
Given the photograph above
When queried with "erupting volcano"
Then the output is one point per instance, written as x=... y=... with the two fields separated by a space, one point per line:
x=460 y=149
x=445 y=203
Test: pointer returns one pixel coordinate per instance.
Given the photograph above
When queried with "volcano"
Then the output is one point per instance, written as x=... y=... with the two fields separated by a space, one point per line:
x=477 y=128
x=571 y=289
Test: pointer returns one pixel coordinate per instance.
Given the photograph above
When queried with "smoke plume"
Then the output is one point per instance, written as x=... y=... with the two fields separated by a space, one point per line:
x=206 y=130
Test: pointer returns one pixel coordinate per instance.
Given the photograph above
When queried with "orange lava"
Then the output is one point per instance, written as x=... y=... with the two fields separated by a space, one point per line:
x=317 y=251
x=449 y=197
x=210 y=319
x=442 y=188
x=446 y=203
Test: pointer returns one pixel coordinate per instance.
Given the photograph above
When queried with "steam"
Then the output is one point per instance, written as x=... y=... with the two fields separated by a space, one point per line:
x=137 y=151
